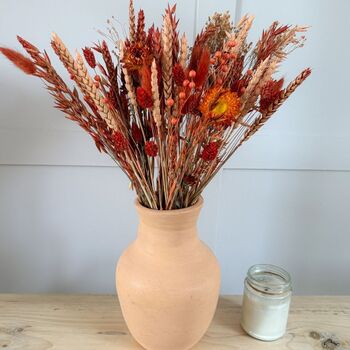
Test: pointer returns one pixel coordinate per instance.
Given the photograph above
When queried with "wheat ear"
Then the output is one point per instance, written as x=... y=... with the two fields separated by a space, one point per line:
x=131 y=21
x=128 y=81
x=284 y=94
x=167 y=57
x=79 y=72
x=243 y=28
x=183 y=51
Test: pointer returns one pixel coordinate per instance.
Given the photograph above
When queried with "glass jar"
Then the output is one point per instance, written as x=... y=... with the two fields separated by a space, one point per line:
x=266 y=300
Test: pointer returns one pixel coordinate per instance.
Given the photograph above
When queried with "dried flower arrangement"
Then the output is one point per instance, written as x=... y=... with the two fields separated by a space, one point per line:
x=170 y=115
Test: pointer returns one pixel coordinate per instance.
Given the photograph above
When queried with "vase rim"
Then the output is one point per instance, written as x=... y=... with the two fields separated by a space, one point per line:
x=195 y=206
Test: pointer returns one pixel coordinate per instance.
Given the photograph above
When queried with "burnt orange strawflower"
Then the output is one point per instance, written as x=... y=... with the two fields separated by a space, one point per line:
x=136 y=55
x=220 y=104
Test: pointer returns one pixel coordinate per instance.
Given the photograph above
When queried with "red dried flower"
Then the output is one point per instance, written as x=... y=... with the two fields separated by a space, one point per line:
x=238 y=86
x=140 y=30
x=189 y=180
x=203 y=67
x=191 y=104
x=136 y=133
x=145 y=75
x=143 y=98
x=120 y=142
x=210 y=151
x=102 y=69
x=89 y=57
x=269 y=41
x=269 y=93
x=20 y=61
x=151 y=148
x=136 y=55
x=179 y=74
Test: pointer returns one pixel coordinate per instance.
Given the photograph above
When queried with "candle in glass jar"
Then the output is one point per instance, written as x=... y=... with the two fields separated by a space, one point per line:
x=266 y=300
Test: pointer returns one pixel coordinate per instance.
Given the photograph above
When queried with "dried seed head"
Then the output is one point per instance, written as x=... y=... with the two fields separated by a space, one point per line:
x=20 y=61
x=192 y=73
x=151 y=148
x=170 y=102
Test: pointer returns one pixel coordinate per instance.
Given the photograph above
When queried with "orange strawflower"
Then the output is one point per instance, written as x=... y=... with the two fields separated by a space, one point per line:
x=220 y=105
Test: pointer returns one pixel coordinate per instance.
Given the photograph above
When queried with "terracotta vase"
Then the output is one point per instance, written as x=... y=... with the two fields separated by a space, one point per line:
x=168 y=280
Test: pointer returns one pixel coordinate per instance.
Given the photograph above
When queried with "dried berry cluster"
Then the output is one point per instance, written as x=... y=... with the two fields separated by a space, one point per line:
x=170 y=115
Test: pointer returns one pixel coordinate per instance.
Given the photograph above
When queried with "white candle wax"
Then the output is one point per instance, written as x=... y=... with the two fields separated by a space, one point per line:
x=264 y=313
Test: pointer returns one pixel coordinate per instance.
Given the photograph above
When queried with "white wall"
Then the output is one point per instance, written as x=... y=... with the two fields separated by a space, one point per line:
x=66 y=212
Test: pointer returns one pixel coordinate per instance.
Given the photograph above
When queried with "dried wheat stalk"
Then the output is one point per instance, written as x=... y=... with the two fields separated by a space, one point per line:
x=264 y=117
x=83 y=80
x=131 y=21
x=183 y=51
x=155 y=94
x=169 y=115
x=167 y=57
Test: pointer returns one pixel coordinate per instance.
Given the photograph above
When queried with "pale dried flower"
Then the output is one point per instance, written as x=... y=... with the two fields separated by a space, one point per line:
x=223 y=26
x=240 y=34
x=155 y=94
x=183 y=51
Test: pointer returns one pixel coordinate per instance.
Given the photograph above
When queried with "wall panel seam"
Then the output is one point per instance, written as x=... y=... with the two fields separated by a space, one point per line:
x=223 y=169
x=238 y=11
x=196 y=14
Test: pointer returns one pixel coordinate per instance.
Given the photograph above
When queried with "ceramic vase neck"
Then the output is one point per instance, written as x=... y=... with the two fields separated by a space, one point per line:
x=168 y=228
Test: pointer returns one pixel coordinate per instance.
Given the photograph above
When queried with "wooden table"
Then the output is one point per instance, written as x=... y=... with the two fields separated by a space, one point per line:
x=38 y=322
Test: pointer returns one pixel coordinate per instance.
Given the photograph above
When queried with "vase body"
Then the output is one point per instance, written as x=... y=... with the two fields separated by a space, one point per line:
x=168 y=280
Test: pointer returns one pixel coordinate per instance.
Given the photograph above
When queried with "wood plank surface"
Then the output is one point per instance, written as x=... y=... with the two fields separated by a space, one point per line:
x=40 y=322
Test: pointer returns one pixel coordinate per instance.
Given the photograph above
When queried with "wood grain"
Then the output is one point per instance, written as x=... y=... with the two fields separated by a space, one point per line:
x=40 y=322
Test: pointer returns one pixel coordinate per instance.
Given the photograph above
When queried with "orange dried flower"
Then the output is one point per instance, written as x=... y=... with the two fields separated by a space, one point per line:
x=220 y=104
x=170 y=102
x=20 y=61
x=136 y=55
x=182 y=95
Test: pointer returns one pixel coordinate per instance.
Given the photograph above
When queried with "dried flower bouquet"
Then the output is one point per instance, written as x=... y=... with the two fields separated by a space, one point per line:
x=170 y=115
